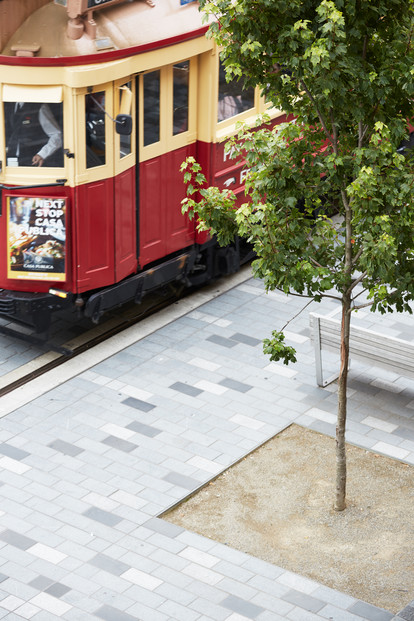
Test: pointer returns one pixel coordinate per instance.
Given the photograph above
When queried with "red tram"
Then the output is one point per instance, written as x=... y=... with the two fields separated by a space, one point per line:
x=101 y=102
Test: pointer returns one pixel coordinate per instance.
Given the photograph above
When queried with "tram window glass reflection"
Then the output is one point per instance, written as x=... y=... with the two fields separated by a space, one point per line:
x=95 y=129
x=233 y=99
x=181 y=73
x=125 y=141
x=34 y=134
x=151 y=107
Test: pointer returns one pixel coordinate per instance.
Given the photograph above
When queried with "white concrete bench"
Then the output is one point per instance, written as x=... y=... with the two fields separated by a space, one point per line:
x=373 y=348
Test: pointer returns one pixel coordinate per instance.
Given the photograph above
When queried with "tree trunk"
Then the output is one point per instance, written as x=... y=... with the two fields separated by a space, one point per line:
x=340 y=502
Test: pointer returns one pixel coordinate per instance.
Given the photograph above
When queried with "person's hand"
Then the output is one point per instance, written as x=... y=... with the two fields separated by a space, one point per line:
x=37 y=160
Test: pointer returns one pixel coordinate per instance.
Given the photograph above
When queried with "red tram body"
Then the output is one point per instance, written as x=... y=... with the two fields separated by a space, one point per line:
x=92 y=218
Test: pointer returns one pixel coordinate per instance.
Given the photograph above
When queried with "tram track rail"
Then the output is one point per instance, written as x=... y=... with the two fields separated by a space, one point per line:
x=56 y=355
x=50 y=361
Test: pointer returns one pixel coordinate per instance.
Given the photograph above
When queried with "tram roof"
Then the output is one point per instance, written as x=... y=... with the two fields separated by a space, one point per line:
x=120 y=27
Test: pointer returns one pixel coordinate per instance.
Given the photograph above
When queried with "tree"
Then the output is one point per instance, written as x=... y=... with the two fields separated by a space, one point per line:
x=344 y=69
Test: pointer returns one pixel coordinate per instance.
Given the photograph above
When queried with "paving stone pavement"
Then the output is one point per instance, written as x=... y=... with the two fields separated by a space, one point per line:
x=87 y=468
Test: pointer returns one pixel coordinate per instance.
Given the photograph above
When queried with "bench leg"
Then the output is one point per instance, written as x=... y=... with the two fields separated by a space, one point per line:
x=318 y=358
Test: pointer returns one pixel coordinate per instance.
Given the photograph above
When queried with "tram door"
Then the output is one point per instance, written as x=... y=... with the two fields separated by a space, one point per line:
x=105 y=217
x=167 y=135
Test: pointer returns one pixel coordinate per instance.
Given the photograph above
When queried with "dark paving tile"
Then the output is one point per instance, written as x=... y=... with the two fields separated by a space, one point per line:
x=245 y=339
x=99 y=515
x=407 y=613
x=17 y=540
x=41 y=583
x=3 y=577
x=403 y=432
x=221 y=340
x=145 y=430
x=65 y=447
x=108 y=613
x=163 y=527
x=13 y=452
x=111 y=565
x=181 y=480
x=363 y=387
x=120 y=444
x=235 y=385
x=57 y=589
x=186 y=389
x=144 y=406
x=369 y=612
x=307 y=602
x=242 y=607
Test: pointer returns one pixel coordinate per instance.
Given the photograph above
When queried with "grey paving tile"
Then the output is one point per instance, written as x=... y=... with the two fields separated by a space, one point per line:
x=165 y=528
x=303 y=600
x=13 y=452
x=41 y=583
x=146 y=430
x=109 y=613
x=57 y=589
x=65 y=447
x=245 y=339
x=407 y=613
x=111 y=565
x=221 y=340
x=235 y=385
x=16 y=539
x=144 y=406
x=182 y=480
x=186 y=389
x=99 y=515
x=241 y=606
x=369 y=612
x=120 y=444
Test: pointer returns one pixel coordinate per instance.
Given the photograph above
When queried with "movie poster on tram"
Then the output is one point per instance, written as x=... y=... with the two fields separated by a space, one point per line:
x=36 y=237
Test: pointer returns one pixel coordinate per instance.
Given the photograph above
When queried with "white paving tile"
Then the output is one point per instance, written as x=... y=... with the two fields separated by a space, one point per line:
x=11 y=602
x=51 y=604
x=246 y=421
x=13 y=465
x=117 y=431
x=391 y=450
x=47 y=553
x=199 y=556
x=204 y=364
x=205 y=464
x=142 y=579
x=377 y=423
x=327 y=417
x=215 y=389
x=198 y=572
x=137 y=393
x=280 y=369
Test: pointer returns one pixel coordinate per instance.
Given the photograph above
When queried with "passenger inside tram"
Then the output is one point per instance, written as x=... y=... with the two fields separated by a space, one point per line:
x=33 y=134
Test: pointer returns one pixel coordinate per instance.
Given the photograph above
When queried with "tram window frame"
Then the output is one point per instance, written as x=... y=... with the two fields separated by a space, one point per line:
x=43 y=119
x=83 y=173
x=235 y=94
x=169 y=139
x=95 y=120
x=124 y=160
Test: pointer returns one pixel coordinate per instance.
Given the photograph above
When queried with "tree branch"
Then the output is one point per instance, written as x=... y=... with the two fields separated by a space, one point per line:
x=321 y=118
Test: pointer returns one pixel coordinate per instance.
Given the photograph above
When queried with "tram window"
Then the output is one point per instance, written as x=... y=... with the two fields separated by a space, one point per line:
x=124 y=140
x=34 y=134
x=151 y=107
x=95 y=129
x=181 y=73
x=233 y=99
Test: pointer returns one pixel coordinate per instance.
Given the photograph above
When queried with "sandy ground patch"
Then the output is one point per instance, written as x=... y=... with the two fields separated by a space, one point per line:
x=277 y=504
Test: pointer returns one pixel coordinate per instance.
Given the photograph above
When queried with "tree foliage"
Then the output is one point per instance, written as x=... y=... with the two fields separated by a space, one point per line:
x=344 y=69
